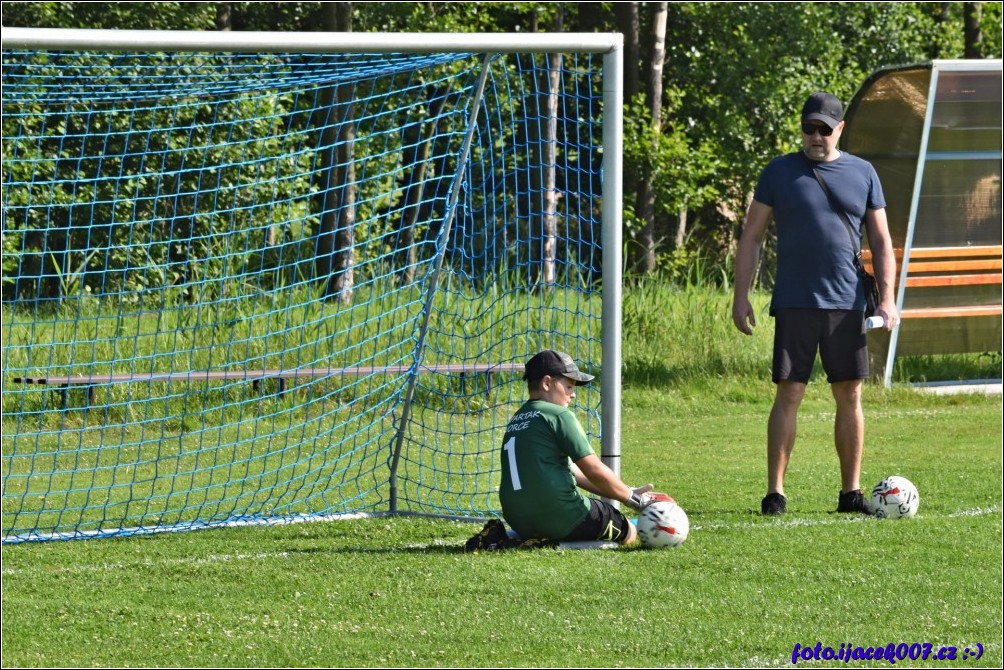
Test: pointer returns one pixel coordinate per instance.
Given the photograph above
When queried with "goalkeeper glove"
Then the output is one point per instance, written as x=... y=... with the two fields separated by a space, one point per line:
x=635 y=500
x=640 y=501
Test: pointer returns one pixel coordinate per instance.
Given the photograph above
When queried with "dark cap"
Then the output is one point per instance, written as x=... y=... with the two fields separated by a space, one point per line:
x=823 y=107
x=554 y=363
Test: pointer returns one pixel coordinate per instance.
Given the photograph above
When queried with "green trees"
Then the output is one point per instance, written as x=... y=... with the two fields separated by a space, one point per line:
x=730 y=79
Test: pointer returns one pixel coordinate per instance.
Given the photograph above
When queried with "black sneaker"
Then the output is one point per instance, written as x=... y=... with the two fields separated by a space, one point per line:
x=854 y=501
x=488 y=537
x=773 y=504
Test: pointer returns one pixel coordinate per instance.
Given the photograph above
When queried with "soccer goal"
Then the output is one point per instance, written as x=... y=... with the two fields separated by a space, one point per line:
x=270 y=277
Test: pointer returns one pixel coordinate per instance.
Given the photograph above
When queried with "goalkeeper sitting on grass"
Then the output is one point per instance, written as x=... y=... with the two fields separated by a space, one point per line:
x=546 y=460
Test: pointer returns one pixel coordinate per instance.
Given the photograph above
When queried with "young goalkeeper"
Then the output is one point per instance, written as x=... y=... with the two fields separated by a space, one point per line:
x=547 y=462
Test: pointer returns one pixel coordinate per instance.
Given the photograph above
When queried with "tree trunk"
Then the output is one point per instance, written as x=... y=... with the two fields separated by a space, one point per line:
x=591 y=17
x=645 y=191
x=224 y=20
x=417 y=141
x=337 y=197
x=681 y=228
x=548 y=154
x=627 y=22
x=972 y=14
x=541 y=137
x=942 y=18
x=626 y=16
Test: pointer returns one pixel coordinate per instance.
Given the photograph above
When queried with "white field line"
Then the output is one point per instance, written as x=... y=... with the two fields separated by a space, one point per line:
x=977 y=511
x=213 y=559
x=188 y=527
x=801 y=523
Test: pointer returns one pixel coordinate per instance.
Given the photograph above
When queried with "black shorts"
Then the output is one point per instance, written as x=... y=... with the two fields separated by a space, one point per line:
x=838 y=335
x=604 y=522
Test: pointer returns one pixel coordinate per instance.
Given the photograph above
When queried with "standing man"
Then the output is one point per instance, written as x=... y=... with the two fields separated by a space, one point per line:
x=818 y=302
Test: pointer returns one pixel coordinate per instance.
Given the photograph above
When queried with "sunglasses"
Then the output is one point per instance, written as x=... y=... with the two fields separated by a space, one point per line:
x=809 y=128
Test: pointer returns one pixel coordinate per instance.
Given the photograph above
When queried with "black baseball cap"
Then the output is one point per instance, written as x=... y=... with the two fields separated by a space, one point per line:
x=823 y=107
x=554 y=363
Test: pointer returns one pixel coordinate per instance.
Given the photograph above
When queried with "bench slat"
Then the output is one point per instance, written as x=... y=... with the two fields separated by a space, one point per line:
x=953 y=280
x=989 y=251
x=948 y=252
x=954 y=266
x=951 y=312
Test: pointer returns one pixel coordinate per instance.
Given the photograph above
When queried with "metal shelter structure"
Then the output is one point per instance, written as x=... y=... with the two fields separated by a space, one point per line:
x=933 y=132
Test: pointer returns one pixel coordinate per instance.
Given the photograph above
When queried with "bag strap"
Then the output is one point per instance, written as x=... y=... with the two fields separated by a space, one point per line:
x=843 y=217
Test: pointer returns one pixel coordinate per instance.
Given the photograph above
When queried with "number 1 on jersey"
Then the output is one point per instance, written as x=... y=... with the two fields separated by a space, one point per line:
x=510 y=448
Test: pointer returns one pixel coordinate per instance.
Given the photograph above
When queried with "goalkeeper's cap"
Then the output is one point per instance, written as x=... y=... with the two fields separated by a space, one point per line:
x=554 y=363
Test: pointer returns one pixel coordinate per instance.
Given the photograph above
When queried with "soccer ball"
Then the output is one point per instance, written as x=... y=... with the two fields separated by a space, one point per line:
x=663 y=524
x=895 y=498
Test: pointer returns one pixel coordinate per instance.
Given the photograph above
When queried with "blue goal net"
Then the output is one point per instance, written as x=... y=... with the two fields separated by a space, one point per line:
x=262 y=288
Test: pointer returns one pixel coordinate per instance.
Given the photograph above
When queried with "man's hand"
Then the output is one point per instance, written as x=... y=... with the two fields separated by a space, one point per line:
x=743 y=316
x=758 y=217
x=887 y=310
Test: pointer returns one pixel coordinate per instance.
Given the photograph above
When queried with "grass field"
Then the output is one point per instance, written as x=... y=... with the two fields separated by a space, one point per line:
x=742 y=591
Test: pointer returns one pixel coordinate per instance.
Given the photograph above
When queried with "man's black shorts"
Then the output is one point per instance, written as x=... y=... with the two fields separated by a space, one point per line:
x=604 y=522
x=838 y=335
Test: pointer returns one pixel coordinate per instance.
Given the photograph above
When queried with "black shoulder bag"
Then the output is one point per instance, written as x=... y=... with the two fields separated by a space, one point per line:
x=867 y=279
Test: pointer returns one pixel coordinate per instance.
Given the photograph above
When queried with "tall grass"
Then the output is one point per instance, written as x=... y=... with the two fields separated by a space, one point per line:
x=681 y=332
x=677 y=333
x=282 y=330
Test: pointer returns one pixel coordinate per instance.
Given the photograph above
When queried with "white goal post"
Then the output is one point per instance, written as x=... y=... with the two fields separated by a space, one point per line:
x=607 y=46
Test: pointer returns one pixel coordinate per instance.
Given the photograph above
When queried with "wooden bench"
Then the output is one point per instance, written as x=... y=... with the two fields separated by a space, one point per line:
x=256 y=377
x=937 y=267
x=951 y=305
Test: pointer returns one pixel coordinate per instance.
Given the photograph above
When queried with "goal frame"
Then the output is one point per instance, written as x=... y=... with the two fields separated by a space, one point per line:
x=610 y=45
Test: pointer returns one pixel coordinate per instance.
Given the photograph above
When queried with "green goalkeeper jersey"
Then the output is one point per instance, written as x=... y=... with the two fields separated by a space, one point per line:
x=538 y=492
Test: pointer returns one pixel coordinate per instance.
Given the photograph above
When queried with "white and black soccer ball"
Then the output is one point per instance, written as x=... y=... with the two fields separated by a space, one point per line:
x=895 y=498
x=663 y=524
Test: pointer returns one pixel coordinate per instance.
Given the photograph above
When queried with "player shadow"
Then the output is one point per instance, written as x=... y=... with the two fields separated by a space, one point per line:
x=441 y=547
